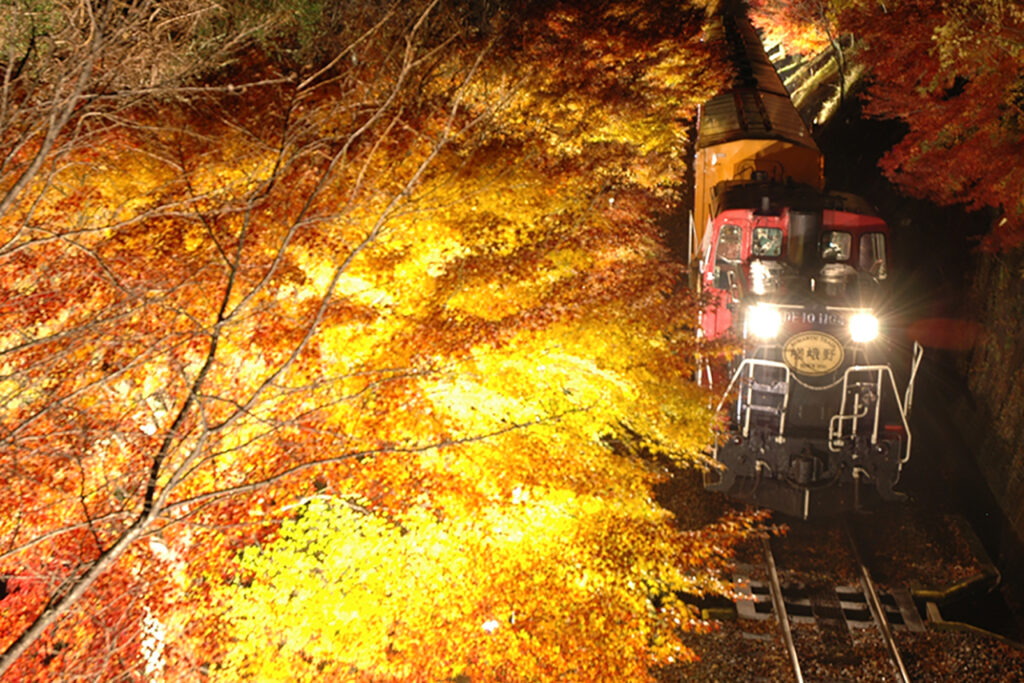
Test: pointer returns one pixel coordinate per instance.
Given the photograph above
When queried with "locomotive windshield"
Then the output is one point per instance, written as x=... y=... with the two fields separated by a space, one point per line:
x=835 y=246
x=767 y=243
x=871 y=257
x=730 y=243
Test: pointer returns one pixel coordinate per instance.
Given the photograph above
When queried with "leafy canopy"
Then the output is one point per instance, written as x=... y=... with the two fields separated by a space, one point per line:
x=353 y=357
x=961 y=101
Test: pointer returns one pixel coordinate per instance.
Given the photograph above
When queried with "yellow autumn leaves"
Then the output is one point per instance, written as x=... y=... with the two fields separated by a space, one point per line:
x=397 y=358
x=514 y=592
x=540 y=320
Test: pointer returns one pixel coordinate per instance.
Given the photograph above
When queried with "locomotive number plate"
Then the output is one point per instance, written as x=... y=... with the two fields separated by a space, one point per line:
x=822 y=318
x=812 y=353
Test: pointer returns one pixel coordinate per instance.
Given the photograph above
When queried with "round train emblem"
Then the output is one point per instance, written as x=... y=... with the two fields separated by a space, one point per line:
x=812 y=353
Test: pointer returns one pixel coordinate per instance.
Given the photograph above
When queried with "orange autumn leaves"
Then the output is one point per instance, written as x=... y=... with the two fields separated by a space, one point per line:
x=396 y=308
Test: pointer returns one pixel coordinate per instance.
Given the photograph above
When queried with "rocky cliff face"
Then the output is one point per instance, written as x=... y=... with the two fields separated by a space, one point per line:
x=995 y=376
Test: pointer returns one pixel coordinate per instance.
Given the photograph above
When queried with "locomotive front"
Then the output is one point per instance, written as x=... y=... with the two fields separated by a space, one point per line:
x=799 y=278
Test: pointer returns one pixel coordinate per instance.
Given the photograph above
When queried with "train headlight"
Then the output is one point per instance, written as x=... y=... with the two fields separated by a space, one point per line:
x=863 y=327
x=764 y=321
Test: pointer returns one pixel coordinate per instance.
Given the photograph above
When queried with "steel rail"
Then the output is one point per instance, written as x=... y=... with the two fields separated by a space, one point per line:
x=877 y=610
x=779 y=604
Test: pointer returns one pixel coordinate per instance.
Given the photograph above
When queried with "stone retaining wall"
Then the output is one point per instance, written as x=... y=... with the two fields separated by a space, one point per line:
x=995 y=376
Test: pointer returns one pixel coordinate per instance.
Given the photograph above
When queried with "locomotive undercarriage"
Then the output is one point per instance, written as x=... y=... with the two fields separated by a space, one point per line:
x=835 y=458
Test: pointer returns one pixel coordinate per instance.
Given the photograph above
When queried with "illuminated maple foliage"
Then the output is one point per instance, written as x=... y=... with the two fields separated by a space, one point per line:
x=348 y=369
x=803 y=26
x=954 y=78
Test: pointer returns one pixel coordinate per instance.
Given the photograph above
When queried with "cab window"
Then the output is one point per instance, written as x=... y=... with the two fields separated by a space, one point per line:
x=730 y=243
x=871 y=254
x=835 y=246
x=767 y=242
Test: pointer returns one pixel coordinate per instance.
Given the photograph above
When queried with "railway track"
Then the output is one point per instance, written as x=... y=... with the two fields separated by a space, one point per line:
x=832 y=617
x=833 y=625
x=878 y=611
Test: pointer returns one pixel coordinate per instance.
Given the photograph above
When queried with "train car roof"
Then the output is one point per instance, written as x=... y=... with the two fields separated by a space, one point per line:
x=756 y=104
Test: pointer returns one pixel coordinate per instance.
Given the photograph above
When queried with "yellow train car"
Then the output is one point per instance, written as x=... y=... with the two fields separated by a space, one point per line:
x=752 y=128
